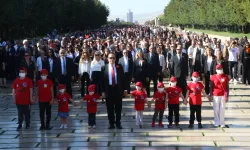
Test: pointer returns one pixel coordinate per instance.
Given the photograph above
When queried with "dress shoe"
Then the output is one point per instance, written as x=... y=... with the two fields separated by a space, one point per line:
x=111 y=127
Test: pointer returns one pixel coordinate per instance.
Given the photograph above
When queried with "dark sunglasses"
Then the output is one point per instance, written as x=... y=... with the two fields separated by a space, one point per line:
x=111 y=57
x=97 y=55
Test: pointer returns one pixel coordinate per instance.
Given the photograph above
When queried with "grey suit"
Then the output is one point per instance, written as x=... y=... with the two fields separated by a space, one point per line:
x=179 y=69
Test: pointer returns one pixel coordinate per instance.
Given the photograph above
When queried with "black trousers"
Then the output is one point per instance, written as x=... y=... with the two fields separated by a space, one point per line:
x=160 y=112
x=45 y=107
x=67 y=81
x=173 y=110
x=190 y=65
x=195 y=109
x=127 y=78
x=207 y=82
x=85 y=82
x=23 y=111
x=246 y=71
x=114 y=105
x=160 y=77
x=91 y=119
x=52 y=78
x=182 y=83
x=96 y=79
x=233 y=64
x=154 y=78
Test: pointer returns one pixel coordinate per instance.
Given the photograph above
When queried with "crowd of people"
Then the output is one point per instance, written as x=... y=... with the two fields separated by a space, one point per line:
x=104 y=64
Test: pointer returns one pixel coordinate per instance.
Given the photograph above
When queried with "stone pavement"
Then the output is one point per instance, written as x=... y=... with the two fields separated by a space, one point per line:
x=78 y=136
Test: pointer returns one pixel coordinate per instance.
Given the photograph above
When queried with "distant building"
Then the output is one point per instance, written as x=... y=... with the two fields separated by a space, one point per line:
x=117 y=20
x=130 y=16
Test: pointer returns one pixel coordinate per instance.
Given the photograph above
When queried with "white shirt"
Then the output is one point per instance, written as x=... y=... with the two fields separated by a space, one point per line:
x=233 y=54
x=162 y=61
x=63 y=64
x=190 y=51
x=39 y=64
x=209 y=62
x=110 y=74
x=70 y=55
x=84 y=67
x=126 y=64
x=96 y=66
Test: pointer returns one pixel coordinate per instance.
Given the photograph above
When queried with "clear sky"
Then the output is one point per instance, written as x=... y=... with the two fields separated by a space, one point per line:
x=142 y=9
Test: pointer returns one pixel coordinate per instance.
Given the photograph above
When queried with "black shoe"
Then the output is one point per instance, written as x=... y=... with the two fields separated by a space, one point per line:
x=42 y=127
x=177 y=124
x=170 y=125
x=111 y=127
x=19 y=128
x=191 y=126
x=48 y=128
x=118 y=126
x=200 y=126
x=27 y=127
x=140 y=126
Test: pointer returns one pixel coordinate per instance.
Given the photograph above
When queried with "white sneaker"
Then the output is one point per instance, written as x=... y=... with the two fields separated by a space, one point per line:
x=94 y=127
x=235 y=81
x=216 y=125
x=90 y=127
x=65 y=126
x=62 y=126
x=231 y=81
x=222 y=126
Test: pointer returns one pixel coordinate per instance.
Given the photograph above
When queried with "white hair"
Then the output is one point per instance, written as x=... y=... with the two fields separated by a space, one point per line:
x=24 y=41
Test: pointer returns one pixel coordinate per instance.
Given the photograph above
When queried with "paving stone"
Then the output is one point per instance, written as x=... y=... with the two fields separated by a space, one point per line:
x=78 y=136
x=193 y=143
x=234 y=144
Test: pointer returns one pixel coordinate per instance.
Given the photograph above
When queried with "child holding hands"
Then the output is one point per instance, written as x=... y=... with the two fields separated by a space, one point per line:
x=140 y=97
x=91 y=99
x=63 y=106
x=194 y=90
x=160 y=103
x=173 y=94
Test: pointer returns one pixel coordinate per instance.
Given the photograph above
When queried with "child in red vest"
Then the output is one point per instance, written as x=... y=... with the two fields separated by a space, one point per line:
x=22 y=96
x=194 y=90
x=173 y=94
x=63 y=106
x=91 y=99
x=160 y=103
x=140 y=98
x=45 y=95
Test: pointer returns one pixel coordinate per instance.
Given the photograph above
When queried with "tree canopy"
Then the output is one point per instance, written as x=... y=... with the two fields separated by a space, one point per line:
x=22 y=18
x=220 y=15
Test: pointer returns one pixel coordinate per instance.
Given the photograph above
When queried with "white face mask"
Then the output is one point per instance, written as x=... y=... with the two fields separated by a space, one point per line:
x=219 y=71
x=138 y=88
x=61 y=91
x=43 y=77
x=195 y=79
x=160 y=89
x=91 y=93
x=172 y=84
x=22 y=75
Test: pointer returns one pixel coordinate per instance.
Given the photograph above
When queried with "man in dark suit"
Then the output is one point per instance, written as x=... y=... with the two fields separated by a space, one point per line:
x=128 y=67
x=153 y=68
x=63 y=71
x=113 y=90
x=179 y=68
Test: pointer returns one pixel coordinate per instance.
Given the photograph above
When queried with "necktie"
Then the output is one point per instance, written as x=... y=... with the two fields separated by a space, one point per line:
x=113 y=76
x=64 y=66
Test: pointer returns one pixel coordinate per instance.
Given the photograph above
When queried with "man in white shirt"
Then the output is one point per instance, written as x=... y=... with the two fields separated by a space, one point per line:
x=190 y=57
x=233 y=58
x=113 y=91
x=127 y=64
